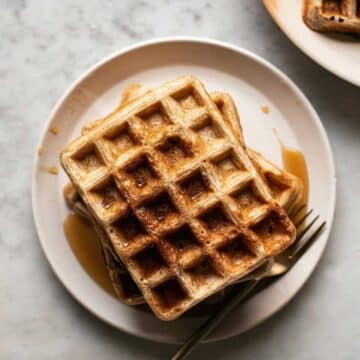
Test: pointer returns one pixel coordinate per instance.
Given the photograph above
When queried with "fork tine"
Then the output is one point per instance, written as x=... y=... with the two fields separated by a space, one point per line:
x=295 y=211
x=303 y=218
x=300 y=235
x=303 y=246
x=300 y=250
x=307 y=228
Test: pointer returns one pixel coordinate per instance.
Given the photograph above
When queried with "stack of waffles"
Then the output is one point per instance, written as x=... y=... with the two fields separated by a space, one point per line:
x=182 y=207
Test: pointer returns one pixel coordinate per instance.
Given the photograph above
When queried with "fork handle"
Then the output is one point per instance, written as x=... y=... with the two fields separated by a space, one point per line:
x=213 y=321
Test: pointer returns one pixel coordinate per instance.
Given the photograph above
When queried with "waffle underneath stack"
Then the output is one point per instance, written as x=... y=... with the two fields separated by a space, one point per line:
x=180 y=202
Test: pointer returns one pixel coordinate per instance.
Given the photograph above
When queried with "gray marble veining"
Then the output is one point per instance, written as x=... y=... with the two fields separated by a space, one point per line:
x=44 y=46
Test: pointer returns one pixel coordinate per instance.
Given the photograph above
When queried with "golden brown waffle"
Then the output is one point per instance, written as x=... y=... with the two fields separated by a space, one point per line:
x=185 y=209
x=332 y=15
x=284 y=186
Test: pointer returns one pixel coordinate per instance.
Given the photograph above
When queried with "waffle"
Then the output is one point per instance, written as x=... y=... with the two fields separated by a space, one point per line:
x=284 y=187
x=332 y=15
x=166 y=168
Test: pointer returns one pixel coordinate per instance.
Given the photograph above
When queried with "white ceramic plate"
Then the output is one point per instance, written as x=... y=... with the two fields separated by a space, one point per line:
x=337 y=53
x=253 y=83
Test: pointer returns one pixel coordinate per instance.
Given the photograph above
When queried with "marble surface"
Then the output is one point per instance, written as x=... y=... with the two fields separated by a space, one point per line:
x=45 y=46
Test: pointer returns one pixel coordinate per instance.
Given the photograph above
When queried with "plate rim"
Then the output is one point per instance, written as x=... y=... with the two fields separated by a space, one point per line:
x=195 y=40
x=268 y=4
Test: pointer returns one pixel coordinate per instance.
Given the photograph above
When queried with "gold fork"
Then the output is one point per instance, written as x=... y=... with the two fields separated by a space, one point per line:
x=281 y=265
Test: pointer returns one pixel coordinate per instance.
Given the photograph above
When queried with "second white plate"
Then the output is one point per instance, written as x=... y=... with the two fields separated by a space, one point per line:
x=253 y=83
x=338 y=53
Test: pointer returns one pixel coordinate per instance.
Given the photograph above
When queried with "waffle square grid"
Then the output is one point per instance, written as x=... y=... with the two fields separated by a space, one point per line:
x=176 y=174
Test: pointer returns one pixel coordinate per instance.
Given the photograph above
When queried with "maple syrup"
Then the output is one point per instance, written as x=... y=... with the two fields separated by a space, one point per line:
x=86 y=246
x=53 y=170
x=294 y=162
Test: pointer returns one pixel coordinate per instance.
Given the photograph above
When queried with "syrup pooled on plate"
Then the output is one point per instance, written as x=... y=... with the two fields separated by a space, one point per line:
x=294 y=162
x=86 y=246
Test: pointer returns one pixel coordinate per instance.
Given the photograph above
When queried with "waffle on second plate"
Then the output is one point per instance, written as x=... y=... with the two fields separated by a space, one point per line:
x=332 y=15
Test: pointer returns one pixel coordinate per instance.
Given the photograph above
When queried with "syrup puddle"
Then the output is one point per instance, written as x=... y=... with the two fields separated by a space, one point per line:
x=86 y=246
x=294 y=162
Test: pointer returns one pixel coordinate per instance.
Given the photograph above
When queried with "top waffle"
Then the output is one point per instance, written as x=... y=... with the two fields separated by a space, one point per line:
x=332 y=15
x=184 y=207
x=284 y=187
